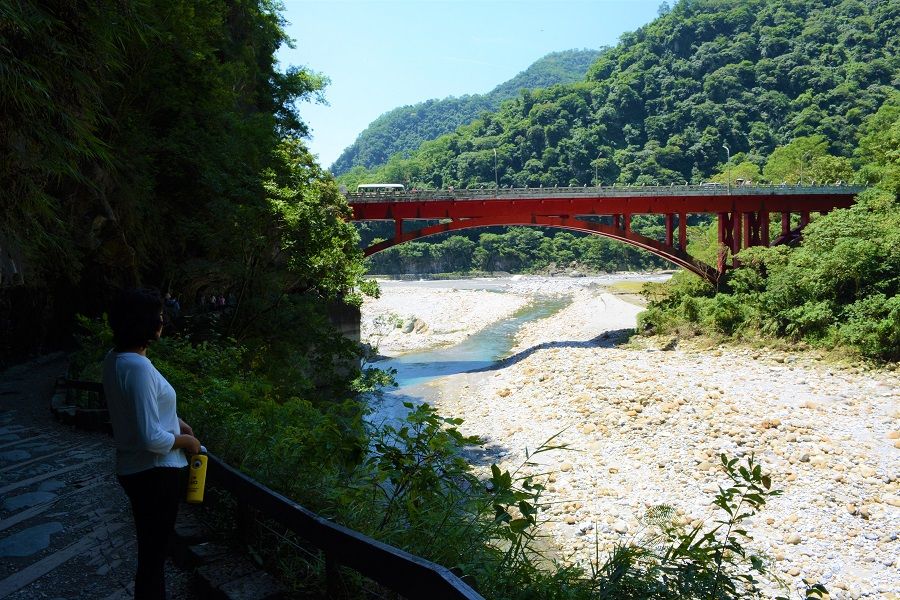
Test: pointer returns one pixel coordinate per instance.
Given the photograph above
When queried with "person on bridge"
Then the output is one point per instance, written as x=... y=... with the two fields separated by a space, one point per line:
x=149 y=436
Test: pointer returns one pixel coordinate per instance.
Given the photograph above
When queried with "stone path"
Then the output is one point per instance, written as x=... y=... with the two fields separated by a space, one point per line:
x=65 y=525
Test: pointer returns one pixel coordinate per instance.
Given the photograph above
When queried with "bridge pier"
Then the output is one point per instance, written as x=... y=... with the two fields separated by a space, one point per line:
x=748 y=229
x=622 y=221
x=724 y=241
x=750 y=223
x=682 y=231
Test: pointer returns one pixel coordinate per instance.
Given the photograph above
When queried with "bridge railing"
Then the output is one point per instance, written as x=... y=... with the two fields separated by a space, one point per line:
x=409 y=575
x=485 y=193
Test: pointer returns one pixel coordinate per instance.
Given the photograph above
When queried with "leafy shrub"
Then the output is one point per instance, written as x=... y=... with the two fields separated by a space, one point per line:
x=690 y=309
x=873 y=325
x=725 y=313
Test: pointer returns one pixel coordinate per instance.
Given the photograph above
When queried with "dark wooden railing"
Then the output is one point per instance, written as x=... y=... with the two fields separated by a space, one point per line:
x=399 y=571
x=406 y=574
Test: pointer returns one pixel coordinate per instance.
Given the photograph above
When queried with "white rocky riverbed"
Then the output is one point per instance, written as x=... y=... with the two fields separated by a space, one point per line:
x=646 y=425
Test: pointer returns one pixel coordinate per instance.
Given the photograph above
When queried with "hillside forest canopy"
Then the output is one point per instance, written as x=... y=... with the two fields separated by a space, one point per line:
x=159 y=143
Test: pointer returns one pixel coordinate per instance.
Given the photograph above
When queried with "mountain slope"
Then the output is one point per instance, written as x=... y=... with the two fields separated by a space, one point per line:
x=659 y=107
x=406 y=127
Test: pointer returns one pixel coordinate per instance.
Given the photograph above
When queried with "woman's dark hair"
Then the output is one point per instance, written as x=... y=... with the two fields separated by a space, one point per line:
x=135 y=317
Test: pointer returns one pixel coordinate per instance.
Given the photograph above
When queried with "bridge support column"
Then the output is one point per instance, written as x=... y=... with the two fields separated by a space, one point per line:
x=682 y=231
x=749 y=219
x=736 y=222
x=804 y=219
x=731 y=230
x=626 y=223
x=670 y=227
x=398 y=229
x=725 y=242
x=785 y=224
x=753 y=229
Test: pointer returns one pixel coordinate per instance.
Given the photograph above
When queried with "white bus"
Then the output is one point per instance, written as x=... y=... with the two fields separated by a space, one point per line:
x=379 y=187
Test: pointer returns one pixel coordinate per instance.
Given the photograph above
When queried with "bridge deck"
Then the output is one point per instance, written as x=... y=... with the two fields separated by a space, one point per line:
x=674 y=191
x=575 y=201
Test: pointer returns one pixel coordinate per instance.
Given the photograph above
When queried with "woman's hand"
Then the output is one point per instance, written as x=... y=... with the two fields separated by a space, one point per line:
x=185 y=428
x=189 y=443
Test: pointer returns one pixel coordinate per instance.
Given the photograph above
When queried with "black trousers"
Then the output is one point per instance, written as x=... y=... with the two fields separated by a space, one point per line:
x=154 y=494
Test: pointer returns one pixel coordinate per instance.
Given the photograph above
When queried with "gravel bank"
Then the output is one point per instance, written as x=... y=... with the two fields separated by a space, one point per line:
x=647 y=425
x=427 y=314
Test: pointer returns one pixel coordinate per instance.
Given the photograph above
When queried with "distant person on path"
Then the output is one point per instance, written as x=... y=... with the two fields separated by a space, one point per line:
x=150 y=439
x=173 y=308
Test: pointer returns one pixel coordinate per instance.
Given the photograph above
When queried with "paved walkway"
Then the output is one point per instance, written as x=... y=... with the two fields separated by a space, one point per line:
x=65 y=525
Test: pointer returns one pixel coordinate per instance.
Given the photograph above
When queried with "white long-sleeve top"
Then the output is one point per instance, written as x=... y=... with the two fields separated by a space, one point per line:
x=142 y=412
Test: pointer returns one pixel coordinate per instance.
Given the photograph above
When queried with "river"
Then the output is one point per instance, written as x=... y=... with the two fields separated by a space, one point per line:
x=647 y=421
x=485 y=347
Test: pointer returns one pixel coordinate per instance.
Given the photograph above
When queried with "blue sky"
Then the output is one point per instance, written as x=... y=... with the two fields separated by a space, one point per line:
x=381 y=54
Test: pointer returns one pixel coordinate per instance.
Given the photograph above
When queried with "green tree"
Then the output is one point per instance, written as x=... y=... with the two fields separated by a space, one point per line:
x=788 y=163
x=744 y=170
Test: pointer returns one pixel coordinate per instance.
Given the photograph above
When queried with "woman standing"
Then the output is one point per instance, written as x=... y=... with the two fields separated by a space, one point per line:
x=149 y=436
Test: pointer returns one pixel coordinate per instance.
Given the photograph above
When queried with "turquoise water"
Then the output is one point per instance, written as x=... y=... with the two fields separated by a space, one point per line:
x=478 y=351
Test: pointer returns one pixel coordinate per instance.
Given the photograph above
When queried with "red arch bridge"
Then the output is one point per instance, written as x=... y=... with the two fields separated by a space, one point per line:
x=744 y=213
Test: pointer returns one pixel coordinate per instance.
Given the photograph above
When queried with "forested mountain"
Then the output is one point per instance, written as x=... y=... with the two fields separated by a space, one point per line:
x=747 y=74
x=406 y=127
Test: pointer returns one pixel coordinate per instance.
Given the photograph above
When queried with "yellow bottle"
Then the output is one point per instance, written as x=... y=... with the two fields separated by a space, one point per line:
x=197 y=477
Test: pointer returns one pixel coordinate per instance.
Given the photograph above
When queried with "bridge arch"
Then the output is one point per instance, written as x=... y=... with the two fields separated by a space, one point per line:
x=669 y=253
